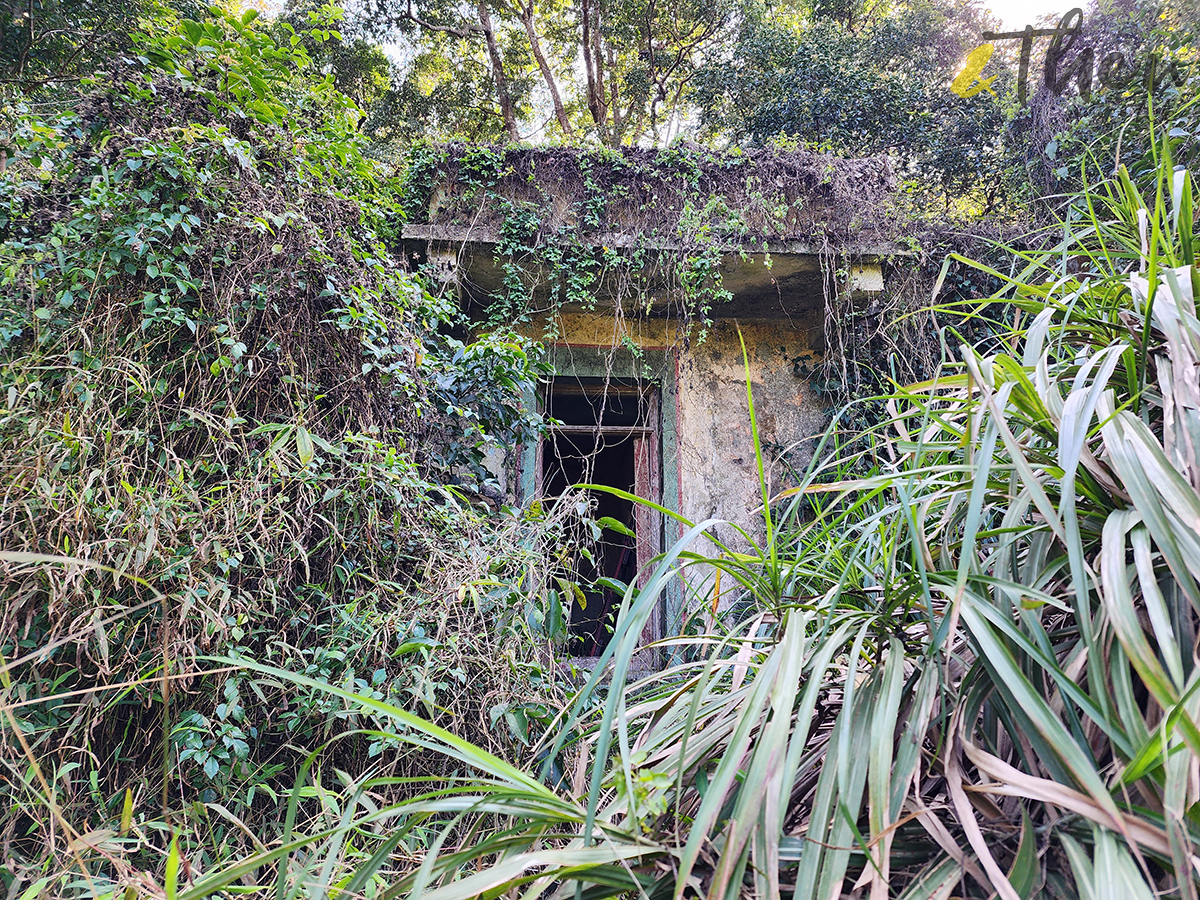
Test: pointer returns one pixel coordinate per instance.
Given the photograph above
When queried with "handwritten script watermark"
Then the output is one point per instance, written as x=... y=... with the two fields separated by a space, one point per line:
x=1116 y=70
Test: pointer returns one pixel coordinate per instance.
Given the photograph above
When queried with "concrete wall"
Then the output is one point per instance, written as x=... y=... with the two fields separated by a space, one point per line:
x=708 y=460
x=718 y=471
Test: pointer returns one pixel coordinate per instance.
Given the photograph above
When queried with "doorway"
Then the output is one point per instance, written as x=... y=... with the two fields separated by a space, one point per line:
x=606 y=433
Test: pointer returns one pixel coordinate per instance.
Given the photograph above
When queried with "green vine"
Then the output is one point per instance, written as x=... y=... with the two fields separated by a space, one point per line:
x=555 y=219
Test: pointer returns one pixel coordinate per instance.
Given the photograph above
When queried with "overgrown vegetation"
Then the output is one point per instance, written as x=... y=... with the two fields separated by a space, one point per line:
x=226 y=403
x=670 y=217
x=1000 y=614
x=268 y=626
x=645 y=233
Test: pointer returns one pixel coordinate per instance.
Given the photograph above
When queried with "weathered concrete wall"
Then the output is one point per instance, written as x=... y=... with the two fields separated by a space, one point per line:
x=601 y=329
x=708 y=450
x=717 y=468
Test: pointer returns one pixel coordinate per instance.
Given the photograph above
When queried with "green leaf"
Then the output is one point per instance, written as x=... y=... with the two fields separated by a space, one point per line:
x=35 y=890
x=171 y=884
x=614 y=525
x=515 y=869
x=938 y=881
x=127 y=812
x=1186 y=216
x=192 y=29
x=304 y=445
x=1025 y=873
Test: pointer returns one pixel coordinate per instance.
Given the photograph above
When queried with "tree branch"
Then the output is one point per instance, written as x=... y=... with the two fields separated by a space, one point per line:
x=535 y=45
x=461 y=31
x=498 y=73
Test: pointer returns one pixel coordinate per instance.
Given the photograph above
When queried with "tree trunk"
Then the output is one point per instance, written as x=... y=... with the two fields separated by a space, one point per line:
x=585 y=9
x=593 y=61
x=503 y=95
x=617 y=117
x=535 y=45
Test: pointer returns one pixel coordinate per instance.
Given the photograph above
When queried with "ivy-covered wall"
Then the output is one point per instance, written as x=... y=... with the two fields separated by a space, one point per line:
x=535 y=230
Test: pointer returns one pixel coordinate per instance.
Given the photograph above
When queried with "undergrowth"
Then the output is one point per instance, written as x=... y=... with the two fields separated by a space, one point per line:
x=972 y=672
x=251 y=431
x=269 y=627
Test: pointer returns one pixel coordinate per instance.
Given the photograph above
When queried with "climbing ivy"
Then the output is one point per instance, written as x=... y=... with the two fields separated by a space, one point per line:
x=645 y=231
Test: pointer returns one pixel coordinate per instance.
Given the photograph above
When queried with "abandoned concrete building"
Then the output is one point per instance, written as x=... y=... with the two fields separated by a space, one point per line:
x=643 y=272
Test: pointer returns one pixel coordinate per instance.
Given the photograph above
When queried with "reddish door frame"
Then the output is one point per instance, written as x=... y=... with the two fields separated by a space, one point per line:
x=647 y=484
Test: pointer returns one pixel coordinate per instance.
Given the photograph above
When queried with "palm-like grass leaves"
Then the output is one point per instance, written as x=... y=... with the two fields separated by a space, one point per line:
x=972 y=671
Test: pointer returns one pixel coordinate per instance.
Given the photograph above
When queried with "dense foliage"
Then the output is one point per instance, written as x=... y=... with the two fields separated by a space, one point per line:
x=254 y=435
x=811 y=82
x=620 y=71
x=47 y=45
x=852 y=78
x=547 y=211
x=964 y=676
x=266 y=622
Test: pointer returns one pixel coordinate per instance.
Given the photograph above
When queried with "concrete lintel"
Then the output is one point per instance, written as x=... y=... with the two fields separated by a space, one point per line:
x=622 y=240
x=783 y=281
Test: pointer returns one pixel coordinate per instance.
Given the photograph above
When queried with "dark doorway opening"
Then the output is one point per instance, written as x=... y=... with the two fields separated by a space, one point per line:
x=606 y=433
x=577 y=459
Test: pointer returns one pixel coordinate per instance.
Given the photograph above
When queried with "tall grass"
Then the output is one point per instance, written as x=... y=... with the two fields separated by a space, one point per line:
x=971 y=672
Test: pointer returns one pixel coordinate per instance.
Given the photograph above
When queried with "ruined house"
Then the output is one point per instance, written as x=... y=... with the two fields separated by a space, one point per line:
x=643 y=271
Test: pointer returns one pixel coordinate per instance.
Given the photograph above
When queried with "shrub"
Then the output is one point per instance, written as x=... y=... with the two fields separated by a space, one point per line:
x=226 y=403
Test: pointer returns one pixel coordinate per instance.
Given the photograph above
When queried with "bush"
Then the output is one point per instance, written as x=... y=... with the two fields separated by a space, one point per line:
x=226 y=403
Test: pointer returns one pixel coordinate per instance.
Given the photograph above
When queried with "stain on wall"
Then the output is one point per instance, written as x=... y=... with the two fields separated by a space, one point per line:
x=718 y=471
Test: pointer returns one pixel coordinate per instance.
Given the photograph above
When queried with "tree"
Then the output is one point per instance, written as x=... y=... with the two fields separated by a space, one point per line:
x=1145 y=74
x=641 y=59
x=619 y=71
x=48 y=41
x=360 y=68
x=857 y=79
x=454 y=44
